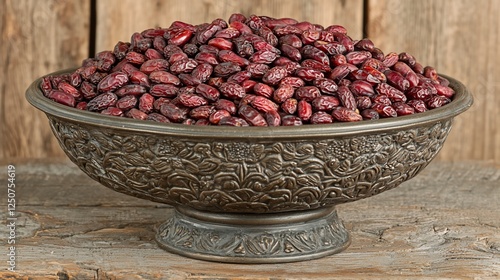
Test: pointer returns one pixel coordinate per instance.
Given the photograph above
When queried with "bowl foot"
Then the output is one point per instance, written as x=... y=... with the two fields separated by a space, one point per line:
x=253 y=238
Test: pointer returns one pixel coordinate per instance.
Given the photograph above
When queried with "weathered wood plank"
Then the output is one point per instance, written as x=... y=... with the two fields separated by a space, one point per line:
x=460 y=39
x=444 y=223
x=38 y=37
x=117 y=20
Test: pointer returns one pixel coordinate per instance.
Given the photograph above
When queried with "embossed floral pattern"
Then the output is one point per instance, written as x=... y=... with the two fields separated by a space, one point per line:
x=249 y=176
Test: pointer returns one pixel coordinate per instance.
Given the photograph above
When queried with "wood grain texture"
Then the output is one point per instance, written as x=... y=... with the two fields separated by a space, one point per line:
x=443 y=224
x=117 y=20
x=461 y=39
x=38 y=37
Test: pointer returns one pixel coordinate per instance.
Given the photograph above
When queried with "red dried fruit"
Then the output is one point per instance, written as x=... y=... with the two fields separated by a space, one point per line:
x=291 y=120
x=164 y=90
x=370 y=114
x=202 y=72
x=61 y=97
x=289 y=106
x=146 y=103
x=364 y=88
x=403 y=109
x=307 y=93
x=154 y=65
x=136 y=114
x=163 y=77
x=295 y=82
x=252 y=116
x=325 y=103
x=202 y=112
x=102 y=101
x=304 y=110
x=346 y=98
x=346 y=115
x=185 y=65
x=265 y=70
x=309 y=74
x=264 y=104
x=191 y=100
x=131 y=90
x=157 y=118
x=232 y=90
x=112 y=81
x=112 y=111
x=283 y=93
x=172 y=112
x=126 y=103
x=384 y=111
x=233 y=121
x=274 y=75
x=321 y=118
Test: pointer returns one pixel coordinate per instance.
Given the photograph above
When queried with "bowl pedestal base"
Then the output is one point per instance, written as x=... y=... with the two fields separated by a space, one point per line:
x=253 y=238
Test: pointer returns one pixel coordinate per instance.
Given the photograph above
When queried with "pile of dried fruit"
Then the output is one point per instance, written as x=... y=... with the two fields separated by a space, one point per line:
x=257 y=71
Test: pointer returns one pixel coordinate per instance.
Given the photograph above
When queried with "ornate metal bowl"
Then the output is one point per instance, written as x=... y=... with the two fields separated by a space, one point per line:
x=251 y=194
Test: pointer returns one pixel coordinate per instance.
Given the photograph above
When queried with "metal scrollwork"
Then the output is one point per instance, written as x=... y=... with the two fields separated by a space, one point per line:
x=250 y=176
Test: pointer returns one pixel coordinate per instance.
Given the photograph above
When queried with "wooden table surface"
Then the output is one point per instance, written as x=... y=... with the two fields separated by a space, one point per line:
x=443 y=224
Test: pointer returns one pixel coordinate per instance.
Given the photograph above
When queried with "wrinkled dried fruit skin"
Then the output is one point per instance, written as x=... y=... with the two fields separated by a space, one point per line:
x=258 y=70
x=251 y=116
x=163 y=77
x=61 y=97
x=321 y=118
x=418 y=105
x=158 y=118
x=136 y=114
x=346 y=98
x=232 y=90
x=309 y=74
x=362 y=88
x=392 y=93
x=112 y=111
x=154 y=65
x=185 y=65
x=264 y=104
x=384 y=111
x=326 y=86
x=289 y=106
x=126 y=103
x=304 y=110
x=164 y=90
x=191 y=100
x=112 y=81
x=202 y=112
x=290 y=120
x=224 y=104
x=307 y=93
x=274 y=75
x=283 y=93
x=325 y=103
x=273 y=118
x=172 y=112
x=226 y=69
x=403 y=109
x=233 y=121
x=437 y=101
x=295 y=82
x=263 y=90
x=102 y=101
x=370 y=114
x=346 y=115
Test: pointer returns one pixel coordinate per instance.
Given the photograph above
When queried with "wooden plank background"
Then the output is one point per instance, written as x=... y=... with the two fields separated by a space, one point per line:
x=459 y=38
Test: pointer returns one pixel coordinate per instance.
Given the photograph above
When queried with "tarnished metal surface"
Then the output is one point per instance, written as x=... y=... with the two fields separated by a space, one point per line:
x=250 y=169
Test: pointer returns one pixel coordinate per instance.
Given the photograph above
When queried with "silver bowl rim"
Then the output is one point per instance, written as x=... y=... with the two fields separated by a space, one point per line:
x=461 y=102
